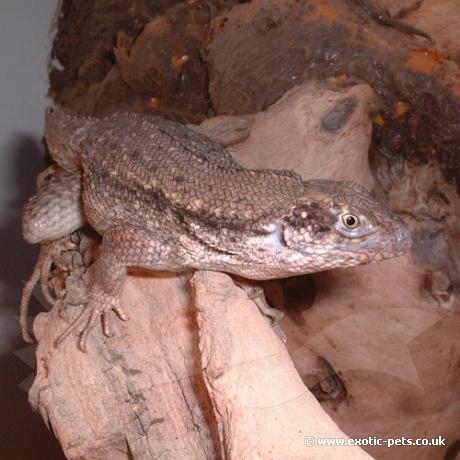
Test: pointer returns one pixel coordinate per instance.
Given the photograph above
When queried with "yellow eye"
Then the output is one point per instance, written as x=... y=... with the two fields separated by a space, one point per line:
x=350 y=221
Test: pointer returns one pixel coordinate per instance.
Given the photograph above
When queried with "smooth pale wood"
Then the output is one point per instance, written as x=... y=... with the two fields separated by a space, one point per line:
x=262 y=408
x=288 y=135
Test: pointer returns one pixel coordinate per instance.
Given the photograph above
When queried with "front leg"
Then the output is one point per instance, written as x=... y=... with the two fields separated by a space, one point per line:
x=121 y=248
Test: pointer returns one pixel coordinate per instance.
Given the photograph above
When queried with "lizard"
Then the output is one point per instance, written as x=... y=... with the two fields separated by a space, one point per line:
x=167 y=198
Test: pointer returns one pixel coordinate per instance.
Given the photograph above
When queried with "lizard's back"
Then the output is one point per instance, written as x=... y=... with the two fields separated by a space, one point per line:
x=137 y=165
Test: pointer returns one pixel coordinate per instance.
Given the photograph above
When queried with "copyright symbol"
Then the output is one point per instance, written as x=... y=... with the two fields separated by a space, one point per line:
x=309 y=441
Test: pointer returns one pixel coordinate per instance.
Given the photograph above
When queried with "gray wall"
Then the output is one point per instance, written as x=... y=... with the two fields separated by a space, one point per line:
x=24 y=48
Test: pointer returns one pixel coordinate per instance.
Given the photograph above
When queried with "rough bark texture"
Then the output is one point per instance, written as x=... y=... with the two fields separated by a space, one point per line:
x=197 y=372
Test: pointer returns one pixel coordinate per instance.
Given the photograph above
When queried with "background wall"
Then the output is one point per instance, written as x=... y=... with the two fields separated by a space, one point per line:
x=25 y=42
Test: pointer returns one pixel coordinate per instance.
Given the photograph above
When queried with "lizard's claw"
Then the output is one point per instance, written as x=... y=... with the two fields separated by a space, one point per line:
x=99 y=305
x=256 y=294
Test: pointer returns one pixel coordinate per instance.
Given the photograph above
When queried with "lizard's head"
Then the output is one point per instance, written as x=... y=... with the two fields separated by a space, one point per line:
x=341 y=224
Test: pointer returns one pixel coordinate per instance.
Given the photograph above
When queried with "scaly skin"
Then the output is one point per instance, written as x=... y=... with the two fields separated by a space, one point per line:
x=164 y=197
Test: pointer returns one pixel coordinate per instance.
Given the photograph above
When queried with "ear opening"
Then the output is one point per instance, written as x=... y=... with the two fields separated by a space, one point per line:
x=283 y=232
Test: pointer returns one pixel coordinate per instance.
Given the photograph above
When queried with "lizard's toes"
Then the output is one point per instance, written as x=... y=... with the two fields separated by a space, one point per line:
x=98 y=307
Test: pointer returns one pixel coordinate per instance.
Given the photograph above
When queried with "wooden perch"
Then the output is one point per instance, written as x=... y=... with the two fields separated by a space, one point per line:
x=189 y=376
x=261 y=406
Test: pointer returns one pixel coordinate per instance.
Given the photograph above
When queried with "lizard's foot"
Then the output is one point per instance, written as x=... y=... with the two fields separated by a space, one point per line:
x=257 y=295
x=99 y=305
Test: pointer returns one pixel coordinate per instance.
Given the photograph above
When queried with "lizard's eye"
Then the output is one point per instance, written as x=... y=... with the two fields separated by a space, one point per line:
x=354 y=225
x=350 y=221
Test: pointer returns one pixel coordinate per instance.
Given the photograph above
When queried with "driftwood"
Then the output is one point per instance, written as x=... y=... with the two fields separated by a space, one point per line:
x=190 y=376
